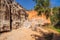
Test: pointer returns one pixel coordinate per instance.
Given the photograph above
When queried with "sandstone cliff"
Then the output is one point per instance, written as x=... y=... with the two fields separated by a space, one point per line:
x=12 y=15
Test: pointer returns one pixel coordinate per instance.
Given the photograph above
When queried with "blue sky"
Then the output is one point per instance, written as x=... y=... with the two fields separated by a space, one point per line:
x=29 y=4
x=55 y=3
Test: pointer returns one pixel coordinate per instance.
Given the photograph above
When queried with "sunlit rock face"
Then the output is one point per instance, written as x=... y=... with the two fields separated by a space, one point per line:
x=13 y=13
x=10 y=10
x=4 y=15
x=18 y=15
x=35 y=21
x=32 y=14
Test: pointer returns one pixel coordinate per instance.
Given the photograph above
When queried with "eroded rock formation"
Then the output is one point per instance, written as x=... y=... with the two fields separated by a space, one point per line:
x=12 y=15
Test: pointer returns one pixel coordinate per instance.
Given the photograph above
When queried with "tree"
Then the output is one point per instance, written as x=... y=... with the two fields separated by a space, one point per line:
x=55 y=18
x=42 y=6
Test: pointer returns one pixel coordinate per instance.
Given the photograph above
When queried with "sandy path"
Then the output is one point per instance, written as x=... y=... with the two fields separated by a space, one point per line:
x=23 y=34
x=19 y=34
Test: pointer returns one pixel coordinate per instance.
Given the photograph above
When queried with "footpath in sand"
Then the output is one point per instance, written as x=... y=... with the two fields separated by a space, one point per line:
x=19 y=34
x=23 y=34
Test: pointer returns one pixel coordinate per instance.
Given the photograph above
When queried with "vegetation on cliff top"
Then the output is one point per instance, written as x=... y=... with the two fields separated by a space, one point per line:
x=52 y=13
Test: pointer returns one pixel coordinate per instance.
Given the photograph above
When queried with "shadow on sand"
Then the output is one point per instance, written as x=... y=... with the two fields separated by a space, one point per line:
x=50 y=36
